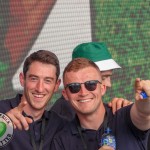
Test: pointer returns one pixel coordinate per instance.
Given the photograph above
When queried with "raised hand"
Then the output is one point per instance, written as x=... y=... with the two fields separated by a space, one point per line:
x=17 y=117
x=140 y=86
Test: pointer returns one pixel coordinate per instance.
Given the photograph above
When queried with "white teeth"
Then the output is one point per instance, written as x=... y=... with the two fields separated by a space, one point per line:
x=86 y=100
x=39 y=96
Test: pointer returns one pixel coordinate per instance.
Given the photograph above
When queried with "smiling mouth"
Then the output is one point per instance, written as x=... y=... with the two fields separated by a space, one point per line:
x=85 y=100
x=38 y=95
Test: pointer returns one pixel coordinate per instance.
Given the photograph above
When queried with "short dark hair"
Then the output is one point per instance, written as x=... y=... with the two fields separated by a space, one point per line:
x=43 y=56
x=79 y=63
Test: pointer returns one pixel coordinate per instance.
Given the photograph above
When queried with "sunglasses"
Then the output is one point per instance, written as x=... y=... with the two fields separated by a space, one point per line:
x=89 y=85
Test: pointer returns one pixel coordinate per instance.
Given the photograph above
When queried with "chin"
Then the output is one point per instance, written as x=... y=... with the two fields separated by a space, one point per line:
x=39 y=107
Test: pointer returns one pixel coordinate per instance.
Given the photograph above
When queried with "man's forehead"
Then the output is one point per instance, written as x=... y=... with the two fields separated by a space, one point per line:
x=84 y=73
x=108 y=72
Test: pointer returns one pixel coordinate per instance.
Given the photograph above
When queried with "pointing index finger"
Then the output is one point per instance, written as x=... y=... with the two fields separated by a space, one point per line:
x=21 y=105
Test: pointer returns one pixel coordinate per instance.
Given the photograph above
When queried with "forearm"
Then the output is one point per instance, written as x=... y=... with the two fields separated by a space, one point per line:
x=140 y=114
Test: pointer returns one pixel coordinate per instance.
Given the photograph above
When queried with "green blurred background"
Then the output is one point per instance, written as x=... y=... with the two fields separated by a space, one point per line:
x=125 y=26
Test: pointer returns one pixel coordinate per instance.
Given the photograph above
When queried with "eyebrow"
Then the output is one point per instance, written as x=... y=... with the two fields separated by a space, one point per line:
x=32 y=75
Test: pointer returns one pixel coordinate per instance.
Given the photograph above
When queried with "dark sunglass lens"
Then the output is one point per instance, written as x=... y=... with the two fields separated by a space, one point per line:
x=91 y=85
x=74 y=87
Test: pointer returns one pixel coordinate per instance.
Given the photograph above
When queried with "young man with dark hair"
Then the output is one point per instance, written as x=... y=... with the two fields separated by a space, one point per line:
x=40 y=79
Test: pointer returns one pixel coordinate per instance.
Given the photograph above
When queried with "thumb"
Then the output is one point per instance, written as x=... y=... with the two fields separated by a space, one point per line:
x=138 y=88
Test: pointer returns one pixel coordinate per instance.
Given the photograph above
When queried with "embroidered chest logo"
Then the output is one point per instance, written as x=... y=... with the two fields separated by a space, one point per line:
x=6 y=130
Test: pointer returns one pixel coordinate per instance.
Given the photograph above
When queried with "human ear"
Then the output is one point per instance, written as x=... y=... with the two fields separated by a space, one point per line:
x=103 y=89
x=65 y=94
x=21 y=79
x=57 y=85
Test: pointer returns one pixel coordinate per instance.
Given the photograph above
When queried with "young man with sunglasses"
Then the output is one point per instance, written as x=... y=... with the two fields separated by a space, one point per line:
x=98 y=53
x=83 y=88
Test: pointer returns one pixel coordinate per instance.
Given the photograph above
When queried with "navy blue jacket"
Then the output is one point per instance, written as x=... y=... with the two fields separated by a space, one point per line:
x=63 y=109
x=128 y=137
x=21 y=139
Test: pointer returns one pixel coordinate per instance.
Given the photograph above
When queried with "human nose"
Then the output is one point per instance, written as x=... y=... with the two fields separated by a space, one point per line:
x=40 y=86
x=83 y=90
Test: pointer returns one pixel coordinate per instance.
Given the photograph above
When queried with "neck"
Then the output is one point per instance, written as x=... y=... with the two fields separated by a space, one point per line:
x=35 y=114
x=92 y=121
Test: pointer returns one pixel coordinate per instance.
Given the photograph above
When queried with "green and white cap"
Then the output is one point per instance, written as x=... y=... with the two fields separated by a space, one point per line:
x=98 y=53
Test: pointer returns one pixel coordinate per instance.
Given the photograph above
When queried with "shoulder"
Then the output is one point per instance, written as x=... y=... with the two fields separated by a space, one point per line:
x=63 y=108
x=7 y=104
x=53 y=116
x=55 y=122
x=124 y=111
x=123 y=118
x=69 y=130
